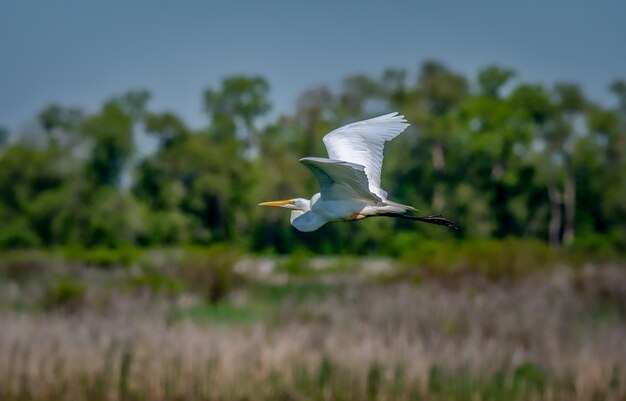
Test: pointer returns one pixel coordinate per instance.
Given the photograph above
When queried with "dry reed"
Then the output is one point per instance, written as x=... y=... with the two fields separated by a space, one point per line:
x=552 y=336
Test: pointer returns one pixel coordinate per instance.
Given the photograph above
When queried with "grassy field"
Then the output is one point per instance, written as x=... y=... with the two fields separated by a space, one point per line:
x=218 y=326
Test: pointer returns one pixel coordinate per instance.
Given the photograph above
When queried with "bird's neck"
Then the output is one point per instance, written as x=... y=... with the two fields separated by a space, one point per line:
x=295 y=214
x=314 y=199
x=305 y=206
x=307 y=221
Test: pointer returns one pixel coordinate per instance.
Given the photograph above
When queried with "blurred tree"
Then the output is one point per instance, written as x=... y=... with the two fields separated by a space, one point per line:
x=55 y=116
x=571 y=103
x=312 y=120
x=167 y=127
x=111 y=134
x=617 y=138
x=497 y=141
x=133 y=103
x=360 y=97
x=114 y=220
x=4 y=137
x=199 y=181
x=240 y=99
x=491 y=79
x=534 y=102
x=442 y=91
x=62 y=125
x=393 y=84
x=26 y=174
x=505 y=160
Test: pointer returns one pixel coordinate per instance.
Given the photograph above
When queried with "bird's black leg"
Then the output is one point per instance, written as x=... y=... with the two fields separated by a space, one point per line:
x=432 y=219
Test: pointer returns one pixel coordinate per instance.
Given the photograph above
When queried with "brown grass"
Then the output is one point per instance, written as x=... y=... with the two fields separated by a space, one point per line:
x=552 y=336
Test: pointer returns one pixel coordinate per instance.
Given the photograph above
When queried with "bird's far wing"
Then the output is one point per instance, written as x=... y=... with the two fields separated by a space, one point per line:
x=340 y=180
x=362 y=143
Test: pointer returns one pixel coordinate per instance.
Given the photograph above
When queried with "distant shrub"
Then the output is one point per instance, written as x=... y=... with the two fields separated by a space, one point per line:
x=296 y=263
x=166 y=227
x=525 y=381
x=604 y=288
x=598 y=247
x=18 y=236
x=65 y=293
x=156 y=280
x=103 y=257
x=22 y=265
x=209 y=271
x=495 y=259
x=507 y=258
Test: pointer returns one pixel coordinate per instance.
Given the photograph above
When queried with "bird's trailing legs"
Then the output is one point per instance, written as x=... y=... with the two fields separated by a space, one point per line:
x=357 y=216
x=432 y=219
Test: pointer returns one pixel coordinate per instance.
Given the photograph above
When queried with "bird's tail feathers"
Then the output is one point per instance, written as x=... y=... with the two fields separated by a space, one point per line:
x=400 y=205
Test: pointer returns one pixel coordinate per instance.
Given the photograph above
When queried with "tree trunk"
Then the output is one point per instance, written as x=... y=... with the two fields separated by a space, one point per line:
x=497 y=171
x=439 y=161
x=569 y=202
x=554 y=229
x=439 y=165
x=439 y=201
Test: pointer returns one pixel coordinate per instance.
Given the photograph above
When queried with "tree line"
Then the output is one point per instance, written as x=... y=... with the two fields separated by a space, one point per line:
x=503 y=157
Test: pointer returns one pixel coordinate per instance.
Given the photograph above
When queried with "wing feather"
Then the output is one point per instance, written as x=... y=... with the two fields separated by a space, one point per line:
x=340 y=180
x=362 y=143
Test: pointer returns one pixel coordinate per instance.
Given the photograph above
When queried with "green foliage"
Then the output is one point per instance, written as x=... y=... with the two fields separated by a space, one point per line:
x=55 y=117
x=224 y=313
x=258 y=302
x=23 y=265
x=64 y=293
x=167 y=127
x=133 y=103
x=156 y=281
x=18 y=235
x=373 y=381
x=166 y=228
x=102 y=257
x=209 y=271
x=502 y=157
x=239 y=96
x=495 y=259
x=524 y=382
x=116 y=220
x=27 y=171
x=492 y=78
x=297 y=263
x=111 y=134
x=4 y=136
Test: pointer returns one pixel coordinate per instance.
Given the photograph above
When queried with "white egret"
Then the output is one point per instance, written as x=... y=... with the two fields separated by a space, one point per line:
x=350 y=178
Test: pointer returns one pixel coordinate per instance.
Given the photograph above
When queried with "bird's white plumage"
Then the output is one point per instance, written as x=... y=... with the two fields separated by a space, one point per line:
x=350 y=178
x=362 y=143
x=340 y=180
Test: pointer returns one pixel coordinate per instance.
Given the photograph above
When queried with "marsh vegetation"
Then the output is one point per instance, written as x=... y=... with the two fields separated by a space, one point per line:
x=135 y=265
x=181 y=325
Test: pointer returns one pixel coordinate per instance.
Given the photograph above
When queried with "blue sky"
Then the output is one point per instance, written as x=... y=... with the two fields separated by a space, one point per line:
x=79 y=52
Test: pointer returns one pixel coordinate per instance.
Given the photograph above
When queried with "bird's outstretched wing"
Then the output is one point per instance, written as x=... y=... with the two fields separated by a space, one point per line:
x=340 y=180
x=362 y=143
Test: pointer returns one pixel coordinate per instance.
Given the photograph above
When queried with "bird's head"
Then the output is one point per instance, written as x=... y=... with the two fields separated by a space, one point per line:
x=296 y=204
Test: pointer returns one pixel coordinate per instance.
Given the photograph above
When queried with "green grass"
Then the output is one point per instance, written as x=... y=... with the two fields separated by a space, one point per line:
x=382 y=342
x=523 y=382
x=294 y=290
x=102 y=257
x=262 y=301
x=224 y=313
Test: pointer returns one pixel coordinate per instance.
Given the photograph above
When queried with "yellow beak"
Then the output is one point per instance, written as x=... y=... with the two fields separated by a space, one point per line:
x=278 y=203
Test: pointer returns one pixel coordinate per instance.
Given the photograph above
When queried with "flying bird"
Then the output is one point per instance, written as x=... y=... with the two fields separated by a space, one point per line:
x=349 y=179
